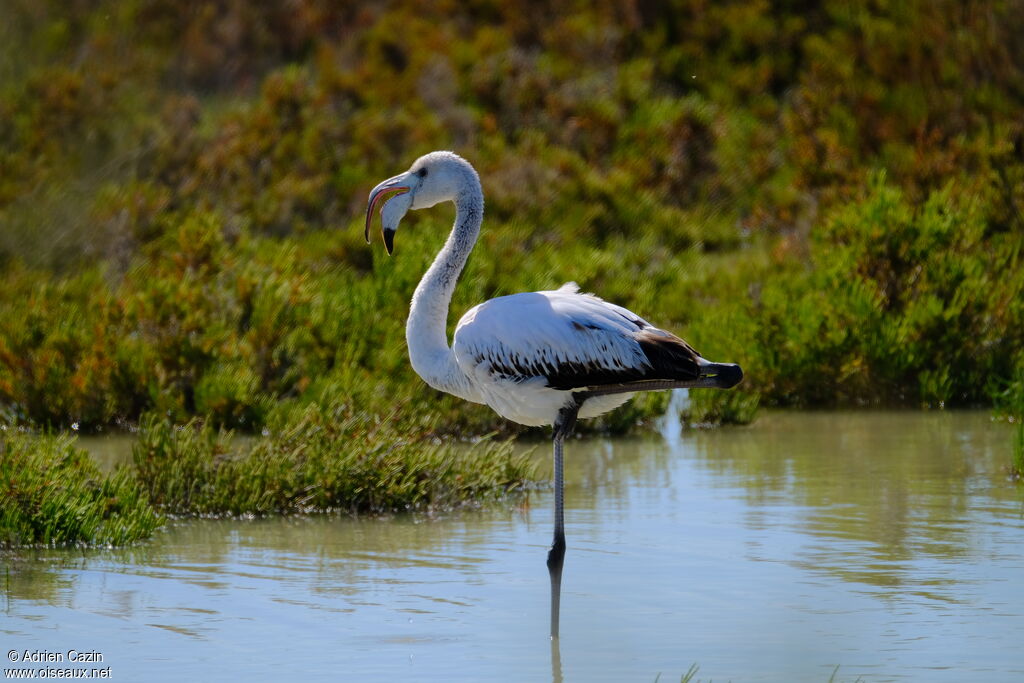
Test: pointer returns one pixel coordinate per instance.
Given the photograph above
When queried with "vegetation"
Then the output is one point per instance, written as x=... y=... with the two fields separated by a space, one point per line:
x=324 y=459
x=1017 y=466
x=320 y=458
x=903 y=304
x=52 y=493
x=829 y=193
x=1010 y=402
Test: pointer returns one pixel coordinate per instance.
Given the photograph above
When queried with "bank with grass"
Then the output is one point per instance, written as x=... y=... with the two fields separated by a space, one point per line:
x=319 y=459
x=53 y=494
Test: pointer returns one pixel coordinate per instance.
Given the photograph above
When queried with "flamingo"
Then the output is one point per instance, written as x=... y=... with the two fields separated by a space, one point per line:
x=535 y=358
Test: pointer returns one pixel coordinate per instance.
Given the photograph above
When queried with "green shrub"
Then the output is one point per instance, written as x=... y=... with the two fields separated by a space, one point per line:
x=899 y=304
x=195 y=249
x=226 y=394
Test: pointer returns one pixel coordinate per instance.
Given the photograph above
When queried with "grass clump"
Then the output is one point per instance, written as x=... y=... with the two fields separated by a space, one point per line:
x=1010 y=403
x=53 y=494
x=1017 y=465
x=320 y=459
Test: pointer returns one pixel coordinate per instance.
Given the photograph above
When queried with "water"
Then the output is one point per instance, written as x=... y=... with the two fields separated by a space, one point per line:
x=889 y=545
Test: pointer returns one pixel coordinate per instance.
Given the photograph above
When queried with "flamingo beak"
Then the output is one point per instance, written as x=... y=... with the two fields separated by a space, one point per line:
x=390 y=187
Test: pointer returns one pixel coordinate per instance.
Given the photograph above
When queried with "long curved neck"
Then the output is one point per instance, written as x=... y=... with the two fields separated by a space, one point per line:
x=426 y=329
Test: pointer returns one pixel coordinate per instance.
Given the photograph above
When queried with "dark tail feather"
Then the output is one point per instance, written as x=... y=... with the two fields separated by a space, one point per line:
x=726 y=375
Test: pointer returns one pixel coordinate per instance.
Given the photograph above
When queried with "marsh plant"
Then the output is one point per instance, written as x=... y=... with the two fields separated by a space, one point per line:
x=1017 y=468
x=1010 y=402
x=324 y=459
x=318 y=459
x=53 y=494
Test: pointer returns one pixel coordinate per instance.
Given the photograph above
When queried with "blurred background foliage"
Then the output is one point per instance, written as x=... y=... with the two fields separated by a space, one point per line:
x=829 y=193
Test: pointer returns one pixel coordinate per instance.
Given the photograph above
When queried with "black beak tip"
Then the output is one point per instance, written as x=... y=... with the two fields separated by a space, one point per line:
x=729 y=375
x=389 y=240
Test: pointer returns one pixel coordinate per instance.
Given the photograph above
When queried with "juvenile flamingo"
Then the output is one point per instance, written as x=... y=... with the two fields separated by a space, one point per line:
x=536 y=358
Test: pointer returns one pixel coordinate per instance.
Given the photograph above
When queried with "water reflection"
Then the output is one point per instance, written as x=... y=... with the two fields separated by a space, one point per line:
x=889 y=544
x=892 y=500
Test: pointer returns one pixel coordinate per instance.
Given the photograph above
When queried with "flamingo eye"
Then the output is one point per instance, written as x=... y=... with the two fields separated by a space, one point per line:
x=422 y=173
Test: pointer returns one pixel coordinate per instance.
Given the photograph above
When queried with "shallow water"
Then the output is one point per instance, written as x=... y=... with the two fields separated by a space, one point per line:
x=890 y=545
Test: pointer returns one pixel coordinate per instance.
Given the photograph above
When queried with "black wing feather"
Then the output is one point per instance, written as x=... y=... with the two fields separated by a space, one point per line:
x=668 y=358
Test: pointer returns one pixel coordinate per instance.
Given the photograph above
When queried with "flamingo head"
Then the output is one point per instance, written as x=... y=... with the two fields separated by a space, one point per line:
x=432 y=179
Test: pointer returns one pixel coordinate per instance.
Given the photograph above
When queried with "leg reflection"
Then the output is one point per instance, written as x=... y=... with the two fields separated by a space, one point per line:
x=556 y=555
x=555 y=559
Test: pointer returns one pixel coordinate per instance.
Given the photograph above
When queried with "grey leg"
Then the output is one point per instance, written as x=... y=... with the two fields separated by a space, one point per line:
x=556 y=555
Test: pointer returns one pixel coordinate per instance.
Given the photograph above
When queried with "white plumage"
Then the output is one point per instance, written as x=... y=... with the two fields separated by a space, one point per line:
x=508 y=347
x=536 y=358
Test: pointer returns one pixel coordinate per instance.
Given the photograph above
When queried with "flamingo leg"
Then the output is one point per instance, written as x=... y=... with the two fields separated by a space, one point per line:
x=563 y=426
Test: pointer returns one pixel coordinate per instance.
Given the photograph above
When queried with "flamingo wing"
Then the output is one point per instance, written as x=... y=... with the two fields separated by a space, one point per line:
x=572 y=340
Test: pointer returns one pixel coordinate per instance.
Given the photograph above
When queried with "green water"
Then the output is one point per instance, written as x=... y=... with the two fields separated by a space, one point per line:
x=890 y=545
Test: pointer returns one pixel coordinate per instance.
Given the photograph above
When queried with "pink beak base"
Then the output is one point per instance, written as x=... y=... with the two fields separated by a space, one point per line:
x=388 y=188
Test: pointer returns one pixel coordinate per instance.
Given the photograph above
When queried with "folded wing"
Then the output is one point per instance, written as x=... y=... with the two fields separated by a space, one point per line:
x=572 y=340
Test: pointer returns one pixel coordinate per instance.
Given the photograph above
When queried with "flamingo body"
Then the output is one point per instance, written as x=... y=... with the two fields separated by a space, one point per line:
x=527 y=353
